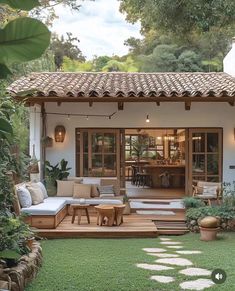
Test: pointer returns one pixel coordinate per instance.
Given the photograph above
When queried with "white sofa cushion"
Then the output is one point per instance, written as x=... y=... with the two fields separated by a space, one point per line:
x=51 y=206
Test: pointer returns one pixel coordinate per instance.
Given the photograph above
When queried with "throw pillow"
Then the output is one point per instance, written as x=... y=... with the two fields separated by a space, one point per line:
x=64 y=188
x=43 y=188
x=94 y=190
x=82 y=191
x=36 y=193
x=210 y=190
x=106 y=190
x=75 y=179
x=24 y=197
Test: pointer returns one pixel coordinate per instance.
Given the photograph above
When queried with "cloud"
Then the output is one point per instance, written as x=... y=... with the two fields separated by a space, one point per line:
x=99 y=26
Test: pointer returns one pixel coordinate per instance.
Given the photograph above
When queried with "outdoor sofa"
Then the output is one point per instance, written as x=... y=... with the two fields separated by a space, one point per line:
x=48 y=213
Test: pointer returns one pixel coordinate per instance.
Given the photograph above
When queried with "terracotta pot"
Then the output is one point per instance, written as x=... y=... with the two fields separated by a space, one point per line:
x=208 y=234
x=209 y=222
x=127 y=209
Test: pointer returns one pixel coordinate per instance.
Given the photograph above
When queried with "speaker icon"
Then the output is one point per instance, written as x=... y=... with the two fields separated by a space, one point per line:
x=218 y=276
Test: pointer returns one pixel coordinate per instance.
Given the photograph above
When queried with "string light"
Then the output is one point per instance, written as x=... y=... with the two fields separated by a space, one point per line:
x=109 y=116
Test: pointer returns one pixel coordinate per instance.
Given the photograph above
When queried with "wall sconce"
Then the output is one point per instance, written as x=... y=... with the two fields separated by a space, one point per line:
x=59 y=133
x=147 y=119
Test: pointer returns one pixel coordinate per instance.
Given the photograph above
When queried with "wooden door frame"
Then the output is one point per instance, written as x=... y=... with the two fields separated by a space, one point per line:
x=102 y=130
x=192 y=130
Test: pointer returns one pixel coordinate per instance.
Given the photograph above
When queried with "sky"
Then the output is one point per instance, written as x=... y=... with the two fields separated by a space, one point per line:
x=99 y=26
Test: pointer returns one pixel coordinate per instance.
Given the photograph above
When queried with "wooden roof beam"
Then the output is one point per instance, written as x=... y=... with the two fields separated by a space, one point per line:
x=187 y=105
x=120 y=105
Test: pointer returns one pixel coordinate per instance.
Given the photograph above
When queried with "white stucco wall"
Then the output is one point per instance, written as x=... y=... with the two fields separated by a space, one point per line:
x=134 y=115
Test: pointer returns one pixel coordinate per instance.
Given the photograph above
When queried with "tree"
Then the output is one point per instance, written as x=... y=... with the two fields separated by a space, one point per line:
x=100 y=62
x=62 y=47
x=76 y=66
x=183 y=16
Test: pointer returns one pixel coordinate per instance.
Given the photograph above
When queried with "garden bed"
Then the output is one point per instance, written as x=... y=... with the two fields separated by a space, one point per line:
x=16 y=278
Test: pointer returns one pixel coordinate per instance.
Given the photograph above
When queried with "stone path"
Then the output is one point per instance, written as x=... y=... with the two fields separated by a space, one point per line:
x=154 y=267
x=163 y=279
x=188 y=252
x=175 y=261
x=199 y=284
x=154 y=250
x=175 y=247
x=163 y=255
x=195 y=272
x=166 y=258
x=170 y=243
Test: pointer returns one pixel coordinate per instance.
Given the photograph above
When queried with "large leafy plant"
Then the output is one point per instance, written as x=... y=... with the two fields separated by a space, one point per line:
x=58 y=172
x=22 y=39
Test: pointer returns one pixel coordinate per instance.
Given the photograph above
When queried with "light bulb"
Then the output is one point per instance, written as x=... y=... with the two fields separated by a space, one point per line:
x=147 y=119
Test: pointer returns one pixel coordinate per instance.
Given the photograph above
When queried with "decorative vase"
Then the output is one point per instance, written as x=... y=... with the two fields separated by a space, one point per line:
x=127 y=209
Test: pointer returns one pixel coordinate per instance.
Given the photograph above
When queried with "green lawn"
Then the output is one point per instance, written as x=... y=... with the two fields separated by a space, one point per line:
x=109 y=264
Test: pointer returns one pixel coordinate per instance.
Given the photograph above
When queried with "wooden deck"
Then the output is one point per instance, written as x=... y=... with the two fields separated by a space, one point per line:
x=134 y=226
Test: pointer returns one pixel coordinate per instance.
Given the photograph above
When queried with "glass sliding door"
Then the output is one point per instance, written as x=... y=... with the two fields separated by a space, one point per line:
x=99 y=152
x=205 y=155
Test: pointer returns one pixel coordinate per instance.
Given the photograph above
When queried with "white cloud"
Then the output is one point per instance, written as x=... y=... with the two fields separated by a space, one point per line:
x=99 y=26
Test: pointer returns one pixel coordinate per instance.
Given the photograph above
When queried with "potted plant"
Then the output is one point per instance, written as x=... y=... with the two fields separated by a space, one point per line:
x=127 y=209
x=52 y=173
x=209 y=228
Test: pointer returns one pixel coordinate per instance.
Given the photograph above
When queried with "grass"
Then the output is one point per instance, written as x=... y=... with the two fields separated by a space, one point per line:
x=109 y=264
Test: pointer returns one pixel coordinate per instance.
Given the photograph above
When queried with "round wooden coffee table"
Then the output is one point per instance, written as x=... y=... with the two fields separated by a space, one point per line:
x=77 y=210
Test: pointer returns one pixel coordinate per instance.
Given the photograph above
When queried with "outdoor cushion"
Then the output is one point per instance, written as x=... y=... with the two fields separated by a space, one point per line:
x=75 y=179
x=51 y=206
x=65 y=188
x=210 y=191
x=95 y=201
x=43 y=188
x=35 y=192
x=24 y=196
x=106 y=195
x=82 y=191
x=94 y=190
x=104 y=190
x=111 y=181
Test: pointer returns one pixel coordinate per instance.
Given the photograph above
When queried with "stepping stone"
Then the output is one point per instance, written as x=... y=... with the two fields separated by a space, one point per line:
x=170 y=243
x=175 y=261
x=188 y=252
x=195 y=272
x=154 y=267
x=154 y=250
x=163 y=255
x=162 y=279
x=199 y=284
x=164 y=239
x=175 y=247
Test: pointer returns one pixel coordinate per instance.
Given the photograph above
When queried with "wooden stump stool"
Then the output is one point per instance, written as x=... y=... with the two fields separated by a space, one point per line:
x=77 y=210
x=105 y=211
x=119 y=213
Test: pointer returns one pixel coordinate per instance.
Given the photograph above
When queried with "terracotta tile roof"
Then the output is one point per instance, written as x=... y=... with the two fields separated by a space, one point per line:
x=85 y=85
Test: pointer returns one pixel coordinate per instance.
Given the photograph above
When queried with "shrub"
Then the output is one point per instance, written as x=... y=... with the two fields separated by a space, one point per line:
x=229 y=194
x=191 y=202
x=223 y=211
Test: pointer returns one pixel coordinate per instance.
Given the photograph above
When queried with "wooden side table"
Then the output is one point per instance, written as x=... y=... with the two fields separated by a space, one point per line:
x=77 y=210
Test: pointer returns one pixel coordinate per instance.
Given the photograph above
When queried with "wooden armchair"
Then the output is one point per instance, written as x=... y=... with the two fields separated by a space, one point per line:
x=207 y=191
